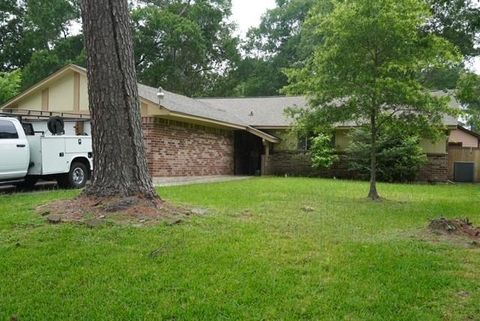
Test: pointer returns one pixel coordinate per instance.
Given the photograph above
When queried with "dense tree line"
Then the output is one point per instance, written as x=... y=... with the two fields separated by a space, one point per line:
x=189 y=46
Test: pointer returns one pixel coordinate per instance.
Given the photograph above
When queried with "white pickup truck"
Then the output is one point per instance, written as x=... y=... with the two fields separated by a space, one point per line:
x=26 y=156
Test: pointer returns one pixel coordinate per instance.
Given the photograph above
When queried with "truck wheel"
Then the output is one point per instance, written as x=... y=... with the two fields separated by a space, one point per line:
x=76 y=178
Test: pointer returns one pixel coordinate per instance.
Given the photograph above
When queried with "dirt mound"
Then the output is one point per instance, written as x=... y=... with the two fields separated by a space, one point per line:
x=95 y=212
x=459 y=227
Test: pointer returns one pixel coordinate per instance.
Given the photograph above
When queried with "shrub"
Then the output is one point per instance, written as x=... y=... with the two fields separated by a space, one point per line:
x=322 y=151
x=399 y=155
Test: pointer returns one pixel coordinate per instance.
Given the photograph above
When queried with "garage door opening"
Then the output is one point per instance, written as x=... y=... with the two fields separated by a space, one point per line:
x=464 y=172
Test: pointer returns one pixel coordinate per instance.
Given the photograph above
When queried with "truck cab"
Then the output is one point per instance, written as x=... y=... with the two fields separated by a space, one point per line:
x=14 y=151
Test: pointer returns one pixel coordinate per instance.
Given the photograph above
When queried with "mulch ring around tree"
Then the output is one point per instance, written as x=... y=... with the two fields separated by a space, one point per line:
x=460 y=228
x=95 y=212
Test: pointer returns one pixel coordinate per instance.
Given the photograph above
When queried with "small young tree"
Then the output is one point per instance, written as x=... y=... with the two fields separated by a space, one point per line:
x=365 y=71
x=323 y=152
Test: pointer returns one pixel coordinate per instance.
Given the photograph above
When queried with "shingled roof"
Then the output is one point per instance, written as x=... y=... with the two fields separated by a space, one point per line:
x=250 y=114
x=189 y=106
x=260 y=112
x=267 y=112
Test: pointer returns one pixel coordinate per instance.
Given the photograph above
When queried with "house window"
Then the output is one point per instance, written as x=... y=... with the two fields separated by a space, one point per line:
x=305 y=142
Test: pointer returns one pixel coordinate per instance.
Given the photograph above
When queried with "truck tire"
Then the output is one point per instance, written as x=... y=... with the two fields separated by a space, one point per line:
x=77 y=177
x=56 y=126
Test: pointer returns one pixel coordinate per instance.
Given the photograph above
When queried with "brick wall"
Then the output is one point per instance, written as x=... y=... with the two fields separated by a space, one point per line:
x=295 y=163
x=436 y=170
x=182 y=149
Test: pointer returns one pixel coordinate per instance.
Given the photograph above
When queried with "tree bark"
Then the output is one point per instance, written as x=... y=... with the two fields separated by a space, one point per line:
x=120 y=164
x=373 y=193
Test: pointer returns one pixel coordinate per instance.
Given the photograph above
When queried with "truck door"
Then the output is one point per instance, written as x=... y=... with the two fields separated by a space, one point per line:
x=14 y=152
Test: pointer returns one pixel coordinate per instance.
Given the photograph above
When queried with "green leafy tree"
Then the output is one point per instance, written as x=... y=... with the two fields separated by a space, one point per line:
x=30 y=26
x=399 y=155
x=249 y=78
x=9 y=85
x=458 y=21
x=184 y=46
x=284 y=38
x=14 y=52
x=43 y=63
x=272 y=46
x=365 y=71
x=468 y=93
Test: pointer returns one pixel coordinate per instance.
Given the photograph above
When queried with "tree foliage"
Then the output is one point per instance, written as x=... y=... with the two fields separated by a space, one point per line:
x=32 y=25
x=184 y=46
x=458 y=21
x=66 y=51
x=468 y=93
x=322 y=152
x=365 y=70
x=399 y=155
x=272 y=46
x=9 y=85
x=35 y=37
x=189 y=46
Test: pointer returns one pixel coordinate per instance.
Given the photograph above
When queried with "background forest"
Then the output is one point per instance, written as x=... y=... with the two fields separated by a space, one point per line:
x=191 y=46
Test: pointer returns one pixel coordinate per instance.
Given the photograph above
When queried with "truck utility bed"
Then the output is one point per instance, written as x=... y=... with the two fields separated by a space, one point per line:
x=53 y=154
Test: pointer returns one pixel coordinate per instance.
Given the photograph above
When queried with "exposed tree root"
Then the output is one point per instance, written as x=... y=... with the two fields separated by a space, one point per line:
x=95 y=211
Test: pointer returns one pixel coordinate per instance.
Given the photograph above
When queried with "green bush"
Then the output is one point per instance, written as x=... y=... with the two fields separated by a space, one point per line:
x=399 y=155
x=322 y=151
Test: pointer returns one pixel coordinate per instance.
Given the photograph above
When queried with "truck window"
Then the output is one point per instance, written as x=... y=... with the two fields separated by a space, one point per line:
x=7 y=130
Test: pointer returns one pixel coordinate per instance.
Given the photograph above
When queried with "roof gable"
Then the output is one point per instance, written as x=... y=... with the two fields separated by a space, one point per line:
x=42 y=84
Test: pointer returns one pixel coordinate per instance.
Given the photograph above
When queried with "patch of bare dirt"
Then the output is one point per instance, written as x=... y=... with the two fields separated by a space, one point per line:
x=455 y=227
x=95 y=212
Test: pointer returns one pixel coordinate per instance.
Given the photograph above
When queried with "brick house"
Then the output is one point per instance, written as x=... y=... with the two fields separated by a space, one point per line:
x=201 y=137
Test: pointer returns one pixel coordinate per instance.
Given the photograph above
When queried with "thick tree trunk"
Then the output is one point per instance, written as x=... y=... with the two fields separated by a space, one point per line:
x=120 y=165
x=373 y=194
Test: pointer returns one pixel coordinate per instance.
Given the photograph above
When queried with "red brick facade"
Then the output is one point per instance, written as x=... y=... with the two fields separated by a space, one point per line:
x=436 y=169
x=299 y=164
x=183 y=149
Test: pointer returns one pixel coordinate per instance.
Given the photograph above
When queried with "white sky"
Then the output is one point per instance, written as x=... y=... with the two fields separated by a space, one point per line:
x=247 y=13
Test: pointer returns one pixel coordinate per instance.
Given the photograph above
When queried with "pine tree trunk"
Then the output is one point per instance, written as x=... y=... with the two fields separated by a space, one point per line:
x=373 y=194
x=120 y=165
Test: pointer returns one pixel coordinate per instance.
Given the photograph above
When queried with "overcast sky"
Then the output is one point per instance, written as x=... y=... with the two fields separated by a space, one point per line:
x=247 y=13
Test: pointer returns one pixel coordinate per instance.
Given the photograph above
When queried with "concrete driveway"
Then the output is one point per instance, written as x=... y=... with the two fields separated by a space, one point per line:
x=176 y=181
x=157 y=181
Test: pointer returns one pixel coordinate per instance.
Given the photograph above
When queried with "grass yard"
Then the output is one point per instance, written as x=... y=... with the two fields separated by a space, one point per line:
x=256 y=256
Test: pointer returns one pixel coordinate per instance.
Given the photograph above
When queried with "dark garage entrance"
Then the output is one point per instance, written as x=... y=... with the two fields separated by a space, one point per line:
x=464 y=172
x=248 y=154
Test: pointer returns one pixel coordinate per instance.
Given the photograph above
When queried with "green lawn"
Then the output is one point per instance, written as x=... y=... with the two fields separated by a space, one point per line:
x=256 y=256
